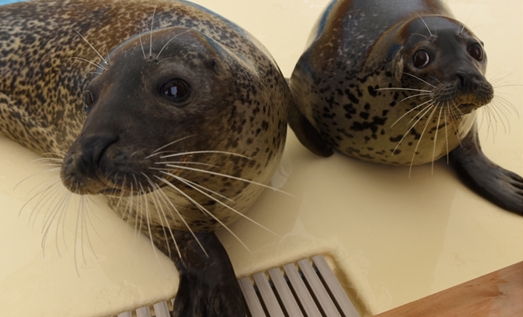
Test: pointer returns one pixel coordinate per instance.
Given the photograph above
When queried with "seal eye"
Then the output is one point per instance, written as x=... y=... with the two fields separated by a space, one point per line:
x=421 y=59
x=89 y=100
x=476 y=52
x=177 y=90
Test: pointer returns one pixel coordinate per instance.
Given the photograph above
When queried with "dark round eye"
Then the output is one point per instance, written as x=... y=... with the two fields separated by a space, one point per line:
x=421 y=59
x=476 y=52
x=176 y=90
x=89 y=100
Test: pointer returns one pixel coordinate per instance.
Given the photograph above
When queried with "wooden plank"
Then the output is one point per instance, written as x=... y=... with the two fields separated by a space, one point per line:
x=496 y=294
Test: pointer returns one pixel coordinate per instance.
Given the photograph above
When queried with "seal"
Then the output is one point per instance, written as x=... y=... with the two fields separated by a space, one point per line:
x=175 y=114
x=399 y=83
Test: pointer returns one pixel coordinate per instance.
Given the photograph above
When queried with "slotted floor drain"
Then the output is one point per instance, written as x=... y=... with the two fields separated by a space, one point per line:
x=307 y=288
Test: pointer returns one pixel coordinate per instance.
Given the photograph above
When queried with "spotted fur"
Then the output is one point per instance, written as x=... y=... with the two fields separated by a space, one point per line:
x=398 y=82
x=44 y=71
x=166 y=169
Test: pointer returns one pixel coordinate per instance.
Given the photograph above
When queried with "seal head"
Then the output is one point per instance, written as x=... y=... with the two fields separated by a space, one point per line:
x=163 y=117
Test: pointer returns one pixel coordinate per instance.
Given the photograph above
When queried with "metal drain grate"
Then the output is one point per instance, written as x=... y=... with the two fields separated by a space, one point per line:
x=307 y=288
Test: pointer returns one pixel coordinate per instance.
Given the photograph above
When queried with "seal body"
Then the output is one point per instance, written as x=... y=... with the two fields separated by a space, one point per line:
x=175 y=114
x=393 y=82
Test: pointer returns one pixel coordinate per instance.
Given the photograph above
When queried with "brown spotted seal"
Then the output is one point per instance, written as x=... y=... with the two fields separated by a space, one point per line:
x=398 y=82
x=175 y=114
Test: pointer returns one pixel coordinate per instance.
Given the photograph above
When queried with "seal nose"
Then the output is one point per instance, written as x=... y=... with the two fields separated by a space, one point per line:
x=468 y=82
x=92 y=149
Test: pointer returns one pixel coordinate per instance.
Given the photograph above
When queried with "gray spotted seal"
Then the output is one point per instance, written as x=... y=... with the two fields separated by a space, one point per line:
x=175 y=114
x=398 y=82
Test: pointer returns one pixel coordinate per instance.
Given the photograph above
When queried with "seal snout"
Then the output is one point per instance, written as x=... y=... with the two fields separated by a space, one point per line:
x=93 y=148
x=468 y=91
x=99 y=164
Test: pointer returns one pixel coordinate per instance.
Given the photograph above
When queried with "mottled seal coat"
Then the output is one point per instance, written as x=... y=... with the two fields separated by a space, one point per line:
x=175 y=114
x=398 y=82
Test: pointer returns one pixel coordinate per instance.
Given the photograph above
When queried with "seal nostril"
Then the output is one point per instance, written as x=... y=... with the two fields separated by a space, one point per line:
x=92 y=151
x=462 y=78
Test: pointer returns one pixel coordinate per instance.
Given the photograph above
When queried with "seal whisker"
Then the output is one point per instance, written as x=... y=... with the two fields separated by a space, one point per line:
x=433 y=107
x=52 y=170
x=423 y=81
x=57 y=211
x=204 y=210
x=411 y=110
x=159 y=210
x=414 y=96
x=156 y=152
x=166 y=171
x=505 y=104
x=428 y=29
x=79 y=228
x=446 y=135
x=206 y=152
x=44 y=192
x=163 y=180
x=423 y=35
x=496 y=112
x=165 y=45
x=458 y=112
x=190 y=184
x=94 y=49
x=190 y=163
x=148 y=222
x=92 y=63
x=140 y=209
x=122 y=189
x=129 y=203
x=404 y=89
x=421 y=114
x=151 y=33
x=163 y=215
x=226 y=176
x=141 y=45
x=436 y=139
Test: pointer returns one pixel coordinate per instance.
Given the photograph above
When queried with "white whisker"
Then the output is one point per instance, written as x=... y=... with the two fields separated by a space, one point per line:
x=188 y=183
x=224 y=175
x=94 y=49
x=421 y=114
x=165 y=45
x=155 y=152
x=176 y=210
x=92 y=63
x=151 y=32
x=433 y=107
x=203 y=209
x=436 y=140
x=206 y=152
x=411 y=110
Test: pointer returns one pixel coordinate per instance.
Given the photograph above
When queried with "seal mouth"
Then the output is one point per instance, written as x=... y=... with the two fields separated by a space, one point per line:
x=466 y=108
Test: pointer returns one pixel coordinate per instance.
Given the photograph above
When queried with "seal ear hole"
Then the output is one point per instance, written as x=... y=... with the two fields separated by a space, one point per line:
x=89 y=100
x=476 y=52
x=421 y=59
x=176 y=90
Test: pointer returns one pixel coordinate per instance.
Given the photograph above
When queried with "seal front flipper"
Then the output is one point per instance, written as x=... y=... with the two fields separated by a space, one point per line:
x=208 y=286
x=500 y=186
